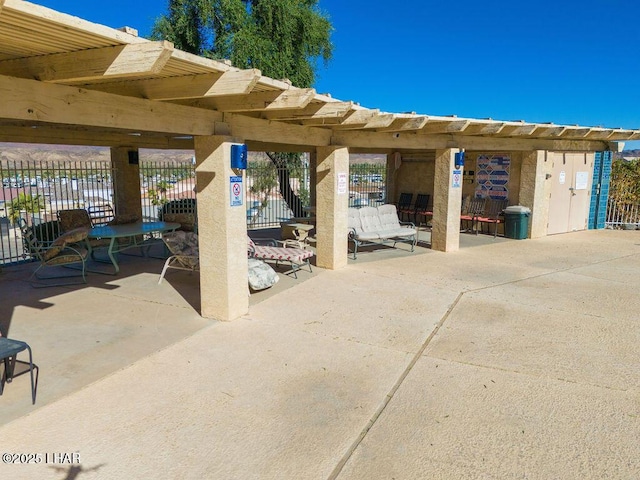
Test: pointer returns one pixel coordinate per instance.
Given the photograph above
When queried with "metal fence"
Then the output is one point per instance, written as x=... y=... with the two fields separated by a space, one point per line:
x=36 y=190
x=367 y=184
x=623 y=205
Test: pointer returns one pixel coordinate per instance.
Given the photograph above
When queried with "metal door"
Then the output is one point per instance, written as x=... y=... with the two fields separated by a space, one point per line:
x=570 y=192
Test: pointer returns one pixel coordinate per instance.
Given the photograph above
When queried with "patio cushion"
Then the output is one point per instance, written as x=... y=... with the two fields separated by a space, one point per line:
x=261 y=275
x=296 y=255
x=388 y=217
x=370 y=219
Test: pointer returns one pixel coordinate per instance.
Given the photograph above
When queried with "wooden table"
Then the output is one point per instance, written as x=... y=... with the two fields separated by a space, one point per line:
x=133 y=233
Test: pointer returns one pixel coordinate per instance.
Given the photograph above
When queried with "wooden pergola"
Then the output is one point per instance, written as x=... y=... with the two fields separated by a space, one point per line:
x=64 y=80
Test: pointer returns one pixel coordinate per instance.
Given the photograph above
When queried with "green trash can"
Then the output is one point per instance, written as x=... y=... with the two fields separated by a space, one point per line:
x=516 y=222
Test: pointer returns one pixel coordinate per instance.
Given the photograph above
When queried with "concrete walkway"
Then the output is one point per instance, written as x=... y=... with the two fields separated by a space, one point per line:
x=511 y=360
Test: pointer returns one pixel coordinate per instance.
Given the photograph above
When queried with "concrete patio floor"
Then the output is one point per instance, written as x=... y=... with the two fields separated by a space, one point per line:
x=507 y=359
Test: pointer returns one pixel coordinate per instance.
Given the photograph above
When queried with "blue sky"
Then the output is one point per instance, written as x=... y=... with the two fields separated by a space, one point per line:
x=567 y=62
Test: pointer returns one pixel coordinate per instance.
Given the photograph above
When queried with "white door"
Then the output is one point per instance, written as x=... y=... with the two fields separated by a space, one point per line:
x=570 y=192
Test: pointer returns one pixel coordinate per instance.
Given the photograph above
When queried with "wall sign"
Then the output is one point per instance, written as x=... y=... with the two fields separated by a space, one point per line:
x=457 y=179
x=235 y=185
x=342 y=184
x=492 y=176
x=582 y=180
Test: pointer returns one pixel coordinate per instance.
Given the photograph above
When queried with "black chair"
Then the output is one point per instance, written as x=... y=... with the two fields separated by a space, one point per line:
x=422 y=208
x=404 y=205
x=9 y=350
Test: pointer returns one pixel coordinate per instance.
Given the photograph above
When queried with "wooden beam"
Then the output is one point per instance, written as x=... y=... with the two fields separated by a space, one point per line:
x=270 y=132
x=258 y=101
x=1 y=5
x=380 y=141
x=313 y=111
x=41 y=102
x=52 y=135
x=238 y=82
x=111 y=62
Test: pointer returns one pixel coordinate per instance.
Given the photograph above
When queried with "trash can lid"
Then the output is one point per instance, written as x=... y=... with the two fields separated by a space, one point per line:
x=517 y=209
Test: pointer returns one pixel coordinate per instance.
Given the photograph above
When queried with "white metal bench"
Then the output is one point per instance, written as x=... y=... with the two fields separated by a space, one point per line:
x=379 y=225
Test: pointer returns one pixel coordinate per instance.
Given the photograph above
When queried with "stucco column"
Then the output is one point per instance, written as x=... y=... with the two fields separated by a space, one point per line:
x=313 y=176
x=447 y=201
x=222 y=232
x=332 y=202
x=535 y=190
x=127 y=198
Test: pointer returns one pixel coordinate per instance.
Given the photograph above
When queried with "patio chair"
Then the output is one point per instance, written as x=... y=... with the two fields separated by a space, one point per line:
x=422 y=208
x=184 y=252
x=63 y=251
x=291 y=252
x=404 y=205
x=473 y=210
x=79 y=218
x=101 y=214
x=9 y=349
x=492 y=215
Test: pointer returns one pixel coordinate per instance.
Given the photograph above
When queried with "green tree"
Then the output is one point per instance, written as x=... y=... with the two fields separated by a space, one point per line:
x=284 y=39
x=25 y=203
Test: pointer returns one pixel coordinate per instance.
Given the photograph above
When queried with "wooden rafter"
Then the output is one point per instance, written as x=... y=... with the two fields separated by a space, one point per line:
x=484 y=128
x=445 y=126
x=258 y=101
x=236 y=82
x=515 y=130
x=402 y=124
x=313 y=111
x=111 y=62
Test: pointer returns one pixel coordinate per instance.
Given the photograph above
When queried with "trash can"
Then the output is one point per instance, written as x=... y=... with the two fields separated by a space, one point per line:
x=516 y=222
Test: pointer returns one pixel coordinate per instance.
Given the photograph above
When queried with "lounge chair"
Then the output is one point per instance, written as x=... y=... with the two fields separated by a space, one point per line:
x=290 y=252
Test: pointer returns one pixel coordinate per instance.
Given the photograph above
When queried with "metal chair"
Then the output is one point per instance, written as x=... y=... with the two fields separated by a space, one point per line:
x=492 y=215
x=184 y=252
x=9 y=350
x=404 y=205
x=63 y=251
x=474 y=209
x=422 y=208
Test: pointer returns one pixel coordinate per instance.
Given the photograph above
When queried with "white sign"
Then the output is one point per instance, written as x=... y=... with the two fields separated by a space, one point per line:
x=342 y=184
x=582 y=180
x=457 y=179
x=235 y=185
x=562 y=177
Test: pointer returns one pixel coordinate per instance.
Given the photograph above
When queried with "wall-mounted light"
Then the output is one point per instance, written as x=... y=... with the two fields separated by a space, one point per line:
x=239 y=156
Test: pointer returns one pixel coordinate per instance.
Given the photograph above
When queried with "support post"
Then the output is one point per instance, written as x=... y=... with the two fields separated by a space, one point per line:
x=126 y=196
x=332 y=196
x=535 y=190
x=222 y=232
x=447 y=201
